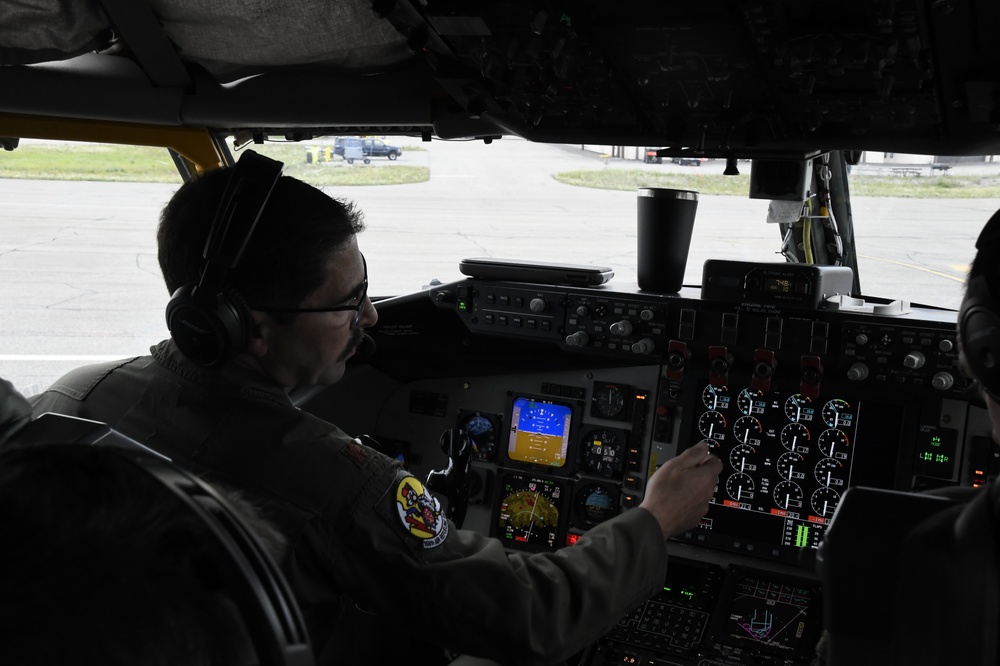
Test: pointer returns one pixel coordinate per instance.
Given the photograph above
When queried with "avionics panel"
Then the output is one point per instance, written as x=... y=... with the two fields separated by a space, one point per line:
x=787 y=460
x=541 y=432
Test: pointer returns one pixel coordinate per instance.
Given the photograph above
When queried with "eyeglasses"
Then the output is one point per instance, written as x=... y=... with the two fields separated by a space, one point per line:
x=362 y=297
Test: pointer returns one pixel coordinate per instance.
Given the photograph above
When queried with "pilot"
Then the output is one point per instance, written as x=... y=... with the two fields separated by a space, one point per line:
x=375 y=580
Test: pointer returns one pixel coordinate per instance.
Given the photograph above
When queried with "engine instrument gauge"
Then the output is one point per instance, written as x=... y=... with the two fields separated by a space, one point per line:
x=482 y=430
x=609 y=401
x=742 y=458
x=824 y=501
x=602 y=451
x=715 y=397
x=740 y=487
x=528 y=515
x=836 y=413
x=795 y=437
x=829 y=472
x=712 y=425
x=787 y=495
x=746 y=429
x=790 y=466
x=799 y=408
x=594 y=503
x=833 y=443
x=749 y=401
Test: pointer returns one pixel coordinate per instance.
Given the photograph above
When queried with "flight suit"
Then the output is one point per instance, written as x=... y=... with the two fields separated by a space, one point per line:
x=362 y=532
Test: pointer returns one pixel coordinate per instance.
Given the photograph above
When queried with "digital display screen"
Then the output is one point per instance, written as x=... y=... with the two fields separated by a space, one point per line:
x=539 y=432
x=787 y=460
x=768 y=614
x=528 y=516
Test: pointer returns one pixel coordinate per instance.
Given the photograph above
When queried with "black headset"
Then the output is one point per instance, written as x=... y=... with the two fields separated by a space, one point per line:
x=267 y=607
x=209 y=320
x=979 y=318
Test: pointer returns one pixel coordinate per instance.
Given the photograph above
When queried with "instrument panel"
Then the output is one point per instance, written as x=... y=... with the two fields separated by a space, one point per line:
x=573 y=396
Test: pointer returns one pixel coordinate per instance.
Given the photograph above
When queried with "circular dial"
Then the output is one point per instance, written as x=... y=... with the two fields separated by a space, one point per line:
x=602 y=451
x=746 y=428
x=824 y=501
x=740 y=487
x=746 y=399
x=712 y=425
x=833 y=443
x=828 y=472
x=795 y=436
x=799 y=408
x=594 y=504
x=787 y=495
x=741 y=456
x=713 y=446
x=790 y=466
x=529 y=512
x=836 y=413
x=483 y=433
x=713 y=396
x=609 y=401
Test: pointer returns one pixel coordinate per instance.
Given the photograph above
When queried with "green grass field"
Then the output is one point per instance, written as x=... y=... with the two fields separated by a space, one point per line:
x=127 y=163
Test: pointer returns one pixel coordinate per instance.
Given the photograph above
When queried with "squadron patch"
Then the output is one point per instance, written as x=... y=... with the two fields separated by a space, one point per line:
x=420 y=512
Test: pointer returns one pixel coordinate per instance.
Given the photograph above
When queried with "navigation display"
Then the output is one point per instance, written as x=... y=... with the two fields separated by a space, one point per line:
x=539 y=432
x=787 y=460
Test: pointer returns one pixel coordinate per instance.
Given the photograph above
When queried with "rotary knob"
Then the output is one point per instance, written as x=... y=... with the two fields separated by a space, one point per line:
x=942 y=381
x=914 y=360
x=578 y=339
x=538 y=305
x=621 y=328
x=644 y=346
x=857 y=372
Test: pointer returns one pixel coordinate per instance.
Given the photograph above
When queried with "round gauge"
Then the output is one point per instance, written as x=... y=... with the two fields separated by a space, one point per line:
x=745 y=428
x=824 y=501
x=712 y=425
x=740 y=456
x=799 y=408
x=747 y=399
x=834 y=443
x=828 y=472
x=787 y=495
x=593 y=504
x=795 y=436
x=483 y=433
x=789 y=465
x=713 y=446
x=713 y=396
x=602 y=451
x=529 y=512
x=609 y=401
x=740 y=487
x=836 y=413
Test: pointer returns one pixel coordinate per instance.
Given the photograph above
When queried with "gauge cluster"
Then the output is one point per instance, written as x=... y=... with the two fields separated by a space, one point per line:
x=562 y=460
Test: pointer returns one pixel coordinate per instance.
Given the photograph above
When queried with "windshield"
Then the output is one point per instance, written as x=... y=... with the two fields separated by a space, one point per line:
x=79 y=280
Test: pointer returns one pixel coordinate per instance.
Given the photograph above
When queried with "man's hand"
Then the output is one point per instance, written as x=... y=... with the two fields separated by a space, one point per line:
x=679 y=491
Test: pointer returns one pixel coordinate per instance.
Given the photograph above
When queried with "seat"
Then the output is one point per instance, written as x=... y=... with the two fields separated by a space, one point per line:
x=911 y=579
x=252 y=580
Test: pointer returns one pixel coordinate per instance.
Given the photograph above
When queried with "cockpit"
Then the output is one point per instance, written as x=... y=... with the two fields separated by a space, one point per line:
x=758 y=276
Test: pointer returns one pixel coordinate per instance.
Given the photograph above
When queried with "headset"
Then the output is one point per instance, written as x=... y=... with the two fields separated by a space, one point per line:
x=252 y=578
x=209 y=320
x=979 y=318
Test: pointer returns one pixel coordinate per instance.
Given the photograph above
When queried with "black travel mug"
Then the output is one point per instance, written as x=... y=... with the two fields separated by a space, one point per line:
x=665 y=222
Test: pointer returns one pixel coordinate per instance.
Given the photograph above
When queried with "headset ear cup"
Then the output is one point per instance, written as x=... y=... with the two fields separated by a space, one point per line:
x=979 y=333
x=208 y=329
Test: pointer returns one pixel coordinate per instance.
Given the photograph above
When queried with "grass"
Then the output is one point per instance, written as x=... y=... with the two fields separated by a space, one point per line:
x=943 y=187
x=105 y=162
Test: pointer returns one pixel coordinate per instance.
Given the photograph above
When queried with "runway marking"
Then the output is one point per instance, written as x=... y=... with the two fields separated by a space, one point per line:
x=915 y=267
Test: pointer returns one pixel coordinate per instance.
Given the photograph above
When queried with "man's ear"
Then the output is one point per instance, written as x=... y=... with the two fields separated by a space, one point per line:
x=260 y=334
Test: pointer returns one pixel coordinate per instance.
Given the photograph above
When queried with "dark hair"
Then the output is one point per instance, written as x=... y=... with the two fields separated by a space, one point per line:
x=287 y=257
x=99 y=565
